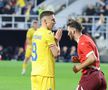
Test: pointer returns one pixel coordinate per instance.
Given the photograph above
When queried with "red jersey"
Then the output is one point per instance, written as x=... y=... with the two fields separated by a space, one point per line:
x=86 y=46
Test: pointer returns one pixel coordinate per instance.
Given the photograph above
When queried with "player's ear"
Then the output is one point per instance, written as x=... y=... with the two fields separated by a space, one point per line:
x=45 y=21
x=74 y=31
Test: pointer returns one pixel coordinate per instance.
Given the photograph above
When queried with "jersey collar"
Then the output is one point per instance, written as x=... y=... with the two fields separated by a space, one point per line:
x=43 y=28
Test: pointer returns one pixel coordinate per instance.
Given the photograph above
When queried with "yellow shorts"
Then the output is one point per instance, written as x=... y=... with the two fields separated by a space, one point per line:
x=42 y=83
x=28 y=52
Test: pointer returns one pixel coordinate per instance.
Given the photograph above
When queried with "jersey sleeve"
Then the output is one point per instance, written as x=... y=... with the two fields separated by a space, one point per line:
x=28 y=34
x=86 y=48
x=50 y=39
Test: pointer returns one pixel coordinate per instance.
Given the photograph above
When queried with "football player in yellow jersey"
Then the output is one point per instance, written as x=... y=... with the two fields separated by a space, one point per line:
x=45 y=48
x=29 y=36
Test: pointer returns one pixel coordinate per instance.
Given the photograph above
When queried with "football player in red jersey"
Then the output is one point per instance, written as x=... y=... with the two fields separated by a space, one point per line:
x=92 y=77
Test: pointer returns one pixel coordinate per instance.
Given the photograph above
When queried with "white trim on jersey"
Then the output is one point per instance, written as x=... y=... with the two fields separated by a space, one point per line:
x=77 y=87
x=94 y=67
x=82 y=88
x=89 y=53
x=92 y=52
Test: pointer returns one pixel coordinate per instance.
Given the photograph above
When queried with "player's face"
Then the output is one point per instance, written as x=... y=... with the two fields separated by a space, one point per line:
x=71 y=32
x=35 y=25
x=50 y=21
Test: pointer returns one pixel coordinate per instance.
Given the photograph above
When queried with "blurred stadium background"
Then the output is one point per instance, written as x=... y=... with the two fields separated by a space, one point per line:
x=16 y=17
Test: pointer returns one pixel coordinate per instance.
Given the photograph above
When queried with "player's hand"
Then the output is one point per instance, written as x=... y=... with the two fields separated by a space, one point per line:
x=75 y=59
x=76 y=68
x=23 y=72
x=58 y=35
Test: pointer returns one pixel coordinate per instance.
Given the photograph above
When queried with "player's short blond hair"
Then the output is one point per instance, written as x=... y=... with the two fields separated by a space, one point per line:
x=46 y=13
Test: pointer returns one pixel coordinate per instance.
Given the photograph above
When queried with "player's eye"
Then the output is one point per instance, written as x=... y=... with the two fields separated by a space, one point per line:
x=53 y=20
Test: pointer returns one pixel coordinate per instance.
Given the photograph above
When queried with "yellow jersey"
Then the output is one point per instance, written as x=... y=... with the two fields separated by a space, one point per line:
x=43 y=61
x=30 y=33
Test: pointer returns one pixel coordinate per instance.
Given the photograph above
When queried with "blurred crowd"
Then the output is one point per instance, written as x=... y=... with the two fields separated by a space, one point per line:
x=11 y=53
x=67 y=53
x=101 y=7
x=17 y=53
x=19 y=7
x=94 y=24
x=27 y=7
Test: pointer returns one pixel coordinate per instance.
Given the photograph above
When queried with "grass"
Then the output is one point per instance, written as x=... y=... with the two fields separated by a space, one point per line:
x=11 y=78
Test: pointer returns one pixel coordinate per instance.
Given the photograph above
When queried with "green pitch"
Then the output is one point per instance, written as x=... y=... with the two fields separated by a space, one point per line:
x=11 y=78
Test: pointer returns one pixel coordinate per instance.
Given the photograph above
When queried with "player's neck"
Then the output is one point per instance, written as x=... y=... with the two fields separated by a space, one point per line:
x=44 y=26
x=78 y=35
x=34 y=28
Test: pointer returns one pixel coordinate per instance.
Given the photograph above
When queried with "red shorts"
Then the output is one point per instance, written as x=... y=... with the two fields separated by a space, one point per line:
x=92 y=80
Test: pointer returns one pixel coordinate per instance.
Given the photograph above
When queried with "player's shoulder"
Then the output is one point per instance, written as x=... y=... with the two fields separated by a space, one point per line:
x=38 y=32
x=49 y=33
x=83 y=40
x=30 y=29
x=44 y=30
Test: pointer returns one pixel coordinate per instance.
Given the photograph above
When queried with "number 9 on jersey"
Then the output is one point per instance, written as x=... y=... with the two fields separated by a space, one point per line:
x=34 y=54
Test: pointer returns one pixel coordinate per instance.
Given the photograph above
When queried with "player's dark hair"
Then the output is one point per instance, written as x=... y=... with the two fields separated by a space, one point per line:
x=46 y=13
x=74 y=24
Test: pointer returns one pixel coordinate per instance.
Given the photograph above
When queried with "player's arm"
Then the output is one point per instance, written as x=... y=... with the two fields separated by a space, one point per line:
x=28 y=36
x=28 y=42
x=90 y=60
x=55 y=48
x=24 y=66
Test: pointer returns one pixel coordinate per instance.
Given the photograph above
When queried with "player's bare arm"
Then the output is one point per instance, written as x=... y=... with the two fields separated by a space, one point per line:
x=58 y=35
x=90 y=60
x=26 y=58
x=55 y=48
